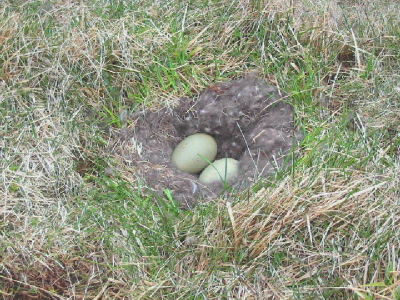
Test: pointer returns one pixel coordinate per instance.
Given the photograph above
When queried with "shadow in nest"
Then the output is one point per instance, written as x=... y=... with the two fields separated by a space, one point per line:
x=247 y=117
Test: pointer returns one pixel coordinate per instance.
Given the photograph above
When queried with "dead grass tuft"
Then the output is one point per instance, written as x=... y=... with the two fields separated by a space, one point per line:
x=316 y=233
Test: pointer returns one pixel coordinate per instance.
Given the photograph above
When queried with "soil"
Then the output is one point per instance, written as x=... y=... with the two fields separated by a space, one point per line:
x=247 y=117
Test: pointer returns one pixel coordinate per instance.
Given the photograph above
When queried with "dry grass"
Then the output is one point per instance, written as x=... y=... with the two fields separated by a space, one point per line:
x=301 y=231
x=327 y=228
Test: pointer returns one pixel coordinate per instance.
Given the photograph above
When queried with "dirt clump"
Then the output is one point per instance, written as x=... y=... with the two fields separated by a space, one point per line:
x=247 y=117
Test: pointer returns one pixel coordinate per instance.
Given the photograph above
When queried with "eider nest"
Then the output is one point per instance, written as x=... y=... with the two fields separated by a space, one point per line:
x=247 y=117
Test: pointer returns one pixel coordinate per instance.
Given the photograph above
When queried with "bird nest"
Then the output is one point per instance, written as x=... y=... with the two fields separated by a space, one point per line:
x=247 y=117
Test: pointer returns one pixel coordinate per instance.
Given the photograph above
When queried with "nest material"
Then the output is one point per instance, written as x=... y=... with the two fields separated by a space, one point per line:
x=247 y=118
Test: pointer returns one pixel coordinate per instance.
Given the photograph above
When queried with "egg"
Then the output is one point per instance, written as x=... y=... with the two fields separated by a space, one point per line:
x=225 y=170
x=194 y=153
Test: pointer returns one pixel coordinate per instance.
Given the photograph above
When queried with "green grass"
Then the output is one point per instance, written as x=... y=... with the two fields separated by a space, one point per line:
x=75 y=221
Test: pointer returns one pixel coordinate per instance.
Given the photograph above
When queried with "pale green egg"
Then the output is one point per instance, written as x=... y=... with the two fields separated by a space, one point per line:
x=224 y=170
x=194 y=153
